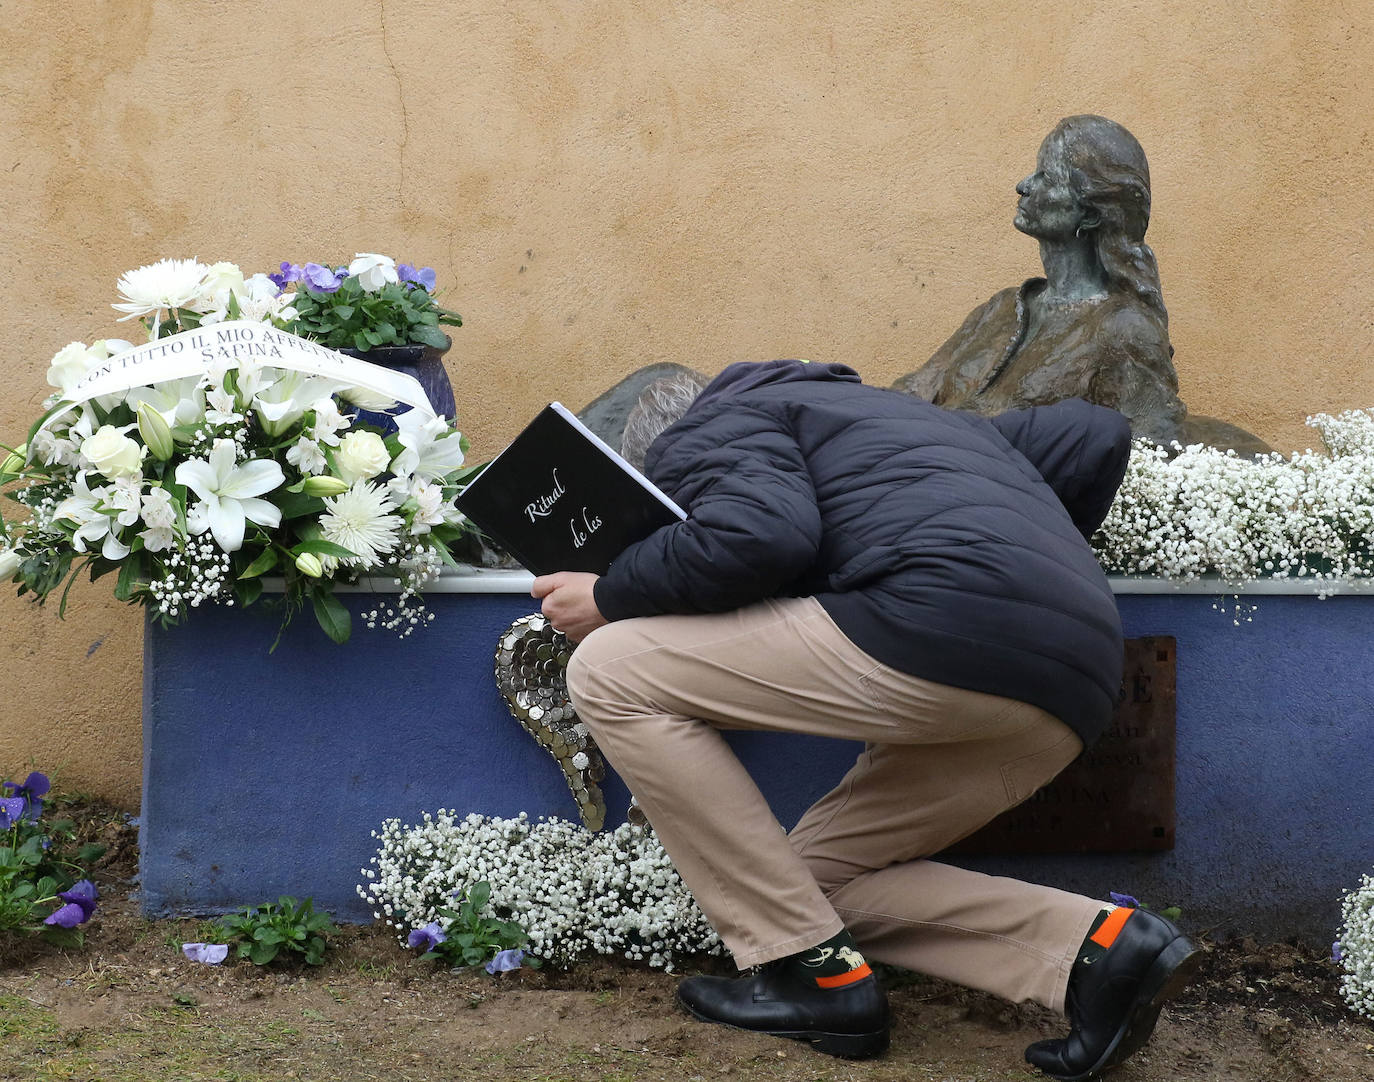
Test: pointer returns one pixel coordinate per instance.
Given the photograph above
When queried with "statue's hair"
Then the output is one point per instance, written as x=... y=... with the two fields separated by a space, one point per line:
x=661 y=403
x=1108 y=172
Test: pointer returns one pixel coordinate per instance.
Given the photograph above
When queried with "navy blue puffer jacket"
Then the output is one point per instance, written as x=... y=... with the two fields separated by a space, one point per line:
x=946 y=545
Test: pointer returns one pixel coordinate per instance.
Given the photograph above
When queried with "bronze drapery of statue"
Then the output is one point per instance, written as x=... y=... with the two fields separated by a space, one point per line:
x=1094 y=326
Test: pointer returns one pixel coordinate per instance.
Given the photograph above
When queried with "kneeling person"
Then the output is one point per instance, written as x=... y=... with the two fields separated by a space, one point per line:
x=859 y=563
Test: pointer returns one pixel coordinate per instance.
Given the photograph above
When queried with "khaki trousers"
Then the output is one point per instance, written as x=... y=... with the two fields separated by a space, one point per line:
x=939 y=763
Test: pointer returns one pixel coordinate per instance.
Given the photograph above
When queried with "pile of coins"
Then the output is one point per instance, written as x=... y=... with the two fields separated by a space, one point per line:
x=532 y=673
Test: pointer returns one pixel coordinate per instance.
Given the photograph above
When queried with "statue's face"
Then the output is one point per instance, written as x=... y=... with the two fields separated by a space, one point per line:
x=1048 y=208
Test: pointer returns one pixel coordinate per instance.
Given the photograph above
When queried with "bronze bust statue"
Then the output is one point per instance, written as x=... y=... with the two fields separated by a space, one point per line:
x=1094 y=326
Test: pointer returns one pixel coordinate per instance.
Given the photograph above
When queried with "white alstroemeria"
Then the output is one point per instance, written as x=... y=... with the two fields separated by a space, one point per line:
x=219 y=406
x=229 y=494
x=159 y=287
x=329 y=422
x=83 y=508
x=430 y=510
x=430 y=450
x=124 y=495
x=373 y=271
x=307 y=456
x=62 y=447
x=159 y=538
x=159 y=510
x=261 y=301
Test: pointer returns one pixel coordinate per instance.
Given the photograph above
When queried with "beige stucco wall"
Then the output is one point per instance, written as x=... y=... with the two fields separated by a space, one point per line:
x=605 y=184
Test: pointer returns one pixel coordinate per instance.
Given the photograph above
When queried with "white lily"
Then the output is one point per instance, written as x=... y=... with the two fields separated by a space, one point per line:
x=181 y=402
x=83 y=509
x=429 y=453
x=284 y=402
x=228 y=494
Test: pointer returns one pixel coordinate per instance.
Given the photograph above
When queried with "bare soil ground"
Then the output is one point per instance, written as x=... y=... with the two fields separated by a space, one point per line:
x=129 y=1007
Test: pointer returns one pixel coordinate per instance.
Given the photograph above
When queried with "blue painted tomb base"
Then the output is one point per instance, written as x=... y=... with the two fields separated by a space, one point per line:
x=265 y=773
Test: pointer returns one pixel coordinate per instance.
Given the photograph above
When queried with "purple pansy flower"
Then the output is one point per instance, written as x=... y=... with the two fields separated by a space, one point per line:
x=82 y=893
x=31 y=792
x=505 y=961
x=211 y=954
x=1123 y=899
x=428 y=937
x=424 y=277
x=11 y=811
x=69 y=916
x=1336 y=953
x=290 y=272
x=321 y=279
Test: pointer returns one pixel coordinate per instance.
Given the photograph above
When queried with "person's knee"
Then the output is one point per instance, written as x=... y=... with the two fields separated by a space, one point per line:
x=593 y=685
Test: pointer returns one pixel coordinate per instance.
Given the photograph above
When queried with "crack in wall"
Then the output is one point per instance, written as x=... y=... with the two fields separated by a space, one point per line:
x=405 y=113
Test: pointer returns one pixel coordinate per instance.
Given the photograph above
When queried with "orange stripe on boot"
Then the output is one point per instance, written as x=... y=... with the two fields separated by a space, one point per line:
x=845 y=978
x=1106 y=935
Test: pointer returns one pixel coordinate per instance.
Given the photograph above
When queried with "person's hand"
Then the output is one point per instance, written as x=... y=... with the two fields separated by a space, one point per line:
x=569 y=603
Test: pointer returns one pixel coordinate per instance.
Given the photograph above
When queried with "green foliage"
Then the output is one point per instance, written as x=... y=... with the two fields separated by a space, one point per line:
x=37 y=861
x=352 y=318
x=263 y=932
x=474 y=939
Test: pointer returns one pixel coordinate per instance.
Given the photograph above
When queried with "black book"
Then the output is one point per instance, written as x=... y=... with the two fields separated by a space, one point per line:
x=559 y=499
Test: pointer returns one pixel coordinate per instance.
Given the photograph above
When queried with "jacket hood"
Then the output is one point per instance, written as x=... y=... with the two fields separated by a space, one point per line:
x=748 y=375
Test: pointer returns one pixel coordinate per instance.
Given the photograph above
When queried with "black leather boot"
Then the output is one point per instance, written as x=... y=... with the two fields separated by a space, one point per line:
x=851 y=1021
x=1114 y=1002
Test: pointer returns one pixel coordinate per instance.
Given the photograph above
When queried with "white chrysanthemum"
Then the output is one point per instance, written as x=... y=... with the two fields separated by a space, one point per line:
x=169 y=283
x=361 y=521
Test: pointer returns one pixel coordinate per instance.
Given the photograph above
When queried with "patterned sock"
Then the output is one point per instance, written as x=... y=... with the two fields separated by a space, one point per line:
x=832 y=964
x=1103 y=933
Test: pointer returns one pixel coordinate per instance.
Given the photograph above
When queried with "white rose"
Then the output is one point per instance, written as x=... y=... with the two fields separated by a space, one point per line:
x=373 y=271
x=9 y=563
x=361 y=456
x=220 y=280
x=112 y=453
x=71 y=364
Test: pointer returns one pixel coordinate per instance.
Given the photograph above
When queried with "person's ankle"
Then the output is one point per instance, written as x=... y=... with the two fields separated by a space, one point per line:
x=834 y=963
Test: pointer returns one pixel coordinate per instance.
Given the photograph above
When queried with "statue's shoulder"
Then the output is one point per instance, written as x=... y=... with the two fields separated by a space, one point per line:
x=979 y=344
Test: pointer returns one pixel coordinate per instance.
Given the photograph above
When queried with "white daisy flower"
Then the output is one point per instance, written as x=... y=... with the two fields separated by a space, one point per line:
x=361 y=521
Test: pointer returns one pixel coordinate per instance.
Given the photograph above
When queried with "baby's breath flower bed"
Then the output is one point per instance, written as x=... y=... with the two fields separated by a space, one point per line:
x=1184 y=513
x=576 y=893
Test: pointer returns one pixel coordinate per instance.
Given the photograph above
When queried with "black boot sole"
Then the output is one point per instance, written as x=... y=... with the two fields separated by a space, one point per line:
x=1167 y=976
x=841 y=1045
x=1173 y=969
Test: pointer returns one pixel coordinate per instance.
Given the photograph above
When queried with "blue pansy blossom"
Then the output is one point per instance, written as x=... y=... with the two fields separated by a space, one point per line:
x=424 y=277
x=31 y=792
x=1123 y=899
x=428 y=937
x=320 y=278
x=505 y=961
x=1336 y=953
x=11 y=811
x=290 y=272
x=80 y=904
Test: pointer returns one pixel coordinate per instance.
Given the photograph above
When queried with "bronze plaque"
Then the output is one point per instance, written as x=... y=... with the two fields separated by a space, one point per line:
x=1118 y=796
